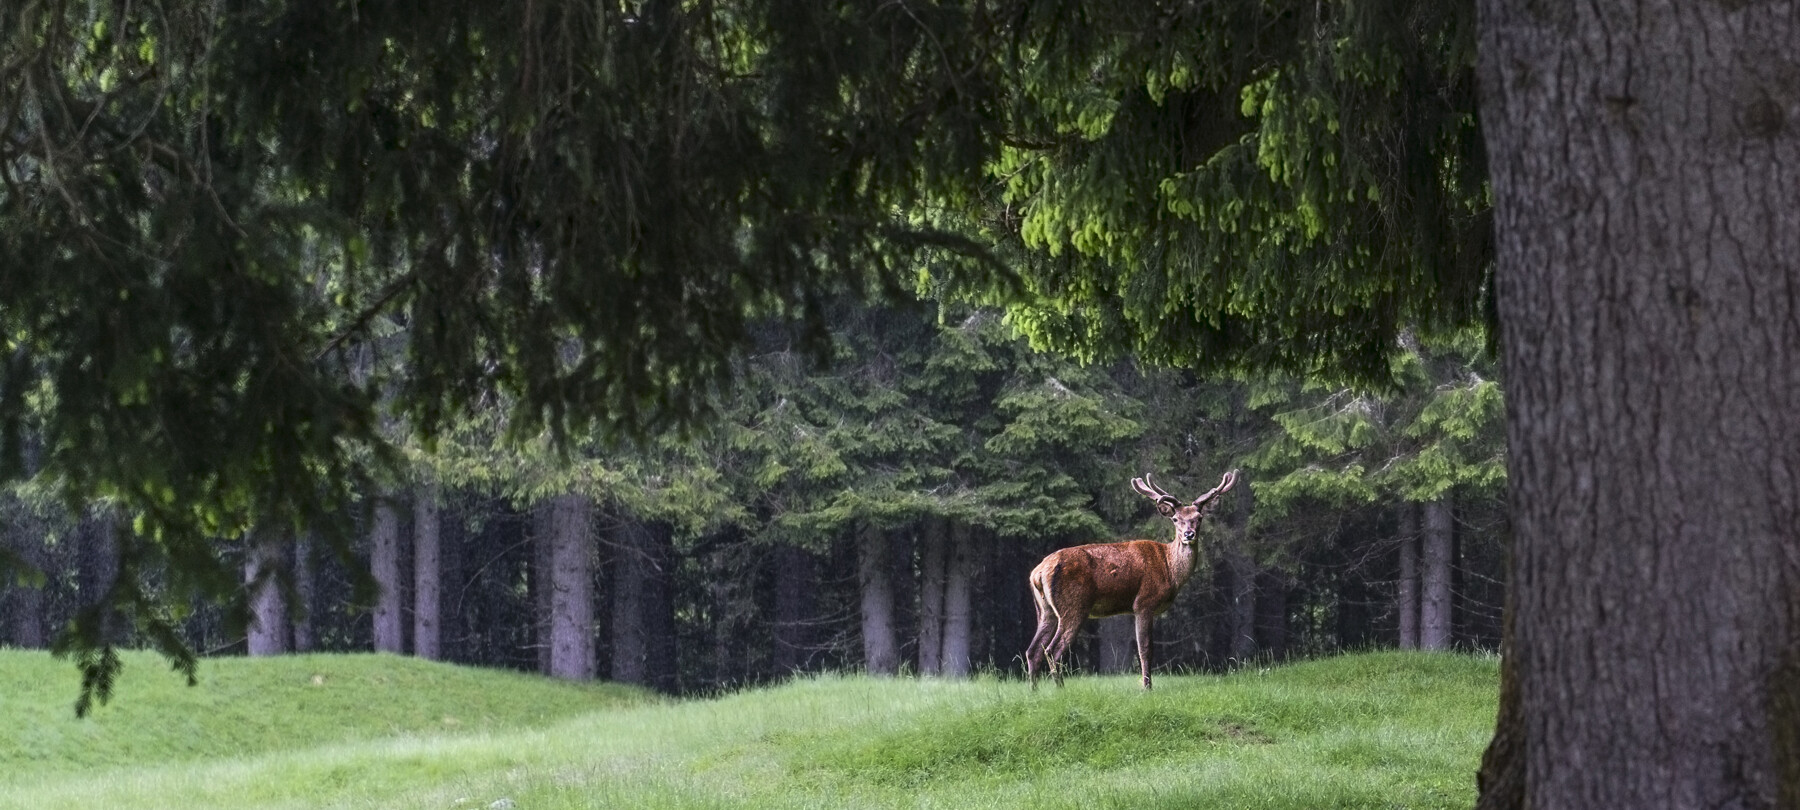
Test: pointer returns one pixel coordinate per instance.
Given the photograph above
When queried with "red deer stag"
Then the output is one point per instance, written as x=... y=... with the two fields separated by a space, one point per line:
x=1140 y=577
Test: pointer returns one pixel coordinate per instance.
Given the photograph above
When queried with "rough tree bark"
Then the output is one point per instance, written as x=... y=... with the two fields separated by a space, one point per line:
x=1407 y=592
x=962 y=564
x=571 y=588
x=263 y=560
x=933 y=542
x=428 y=574
x=1436 y=544
x=1646 y=183
x=881 y=653
x=384 y=566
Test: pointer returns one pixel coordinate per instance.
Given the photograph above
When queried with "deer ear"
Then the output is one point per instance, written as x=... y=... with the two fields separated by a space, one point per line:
x=1166 y=508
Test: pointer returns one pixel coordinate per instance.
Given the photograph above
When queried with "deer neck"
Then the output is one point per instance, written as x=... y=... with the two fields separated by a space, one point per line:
x=1182 y=559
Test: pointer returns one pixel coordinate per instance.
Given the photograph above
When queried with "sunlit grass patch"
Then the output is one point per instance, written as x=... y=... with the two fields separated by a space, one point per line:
x=1366 y=731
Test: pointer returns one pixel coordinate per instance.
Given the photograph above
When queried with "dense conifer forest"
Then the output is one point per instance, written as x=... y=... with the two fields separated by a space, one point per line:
x=879 y=510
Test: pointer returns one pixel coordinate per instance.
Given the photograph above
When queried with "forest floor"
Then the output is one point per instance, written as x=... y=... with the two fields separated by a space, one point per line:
x=1372 y=730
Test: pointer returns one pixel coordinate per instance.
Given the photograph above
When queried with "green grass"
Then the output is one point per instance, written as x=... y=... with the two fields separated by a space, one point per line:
x=1382 y=730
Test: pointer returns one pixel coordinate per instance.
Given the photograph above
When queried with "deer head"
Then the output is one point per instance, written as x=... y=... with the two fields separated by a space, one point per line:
x=1185 y=516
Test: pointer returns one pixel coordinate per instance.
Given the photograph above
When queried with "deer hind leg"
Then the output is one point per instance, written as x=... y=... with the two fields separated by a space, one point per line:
x=1069 y=625
x=1070 y=615
x=1040 y=641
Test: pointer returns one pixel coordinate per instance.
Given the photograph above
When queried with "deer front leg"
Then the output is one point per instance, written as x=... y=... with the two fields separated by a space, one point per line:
x=1144 y=619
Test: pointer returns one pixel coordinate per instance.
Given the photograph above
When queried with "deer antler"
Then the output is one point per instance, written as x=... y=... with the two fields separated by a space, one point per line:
x=1149 y=490
x=1224 y=484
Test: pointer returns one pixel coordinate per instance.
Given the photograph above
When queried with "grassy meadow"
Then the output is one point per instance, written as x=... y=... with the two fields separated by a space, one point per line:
x=1374 y=730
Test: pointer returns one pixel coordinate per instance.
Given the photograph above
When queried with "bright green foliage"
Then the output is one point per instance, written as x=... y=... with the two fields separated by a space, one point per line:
x=1440 y=433
x=1245 y=185
x=1363 y=731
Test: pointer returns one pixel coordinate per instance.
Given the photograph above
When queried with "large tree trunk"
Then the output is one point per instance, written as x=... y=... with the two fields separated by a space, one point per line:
x=263 y=561
x=428 y=574
x=1646 y=184
x=571 y=588
x=384 y=566
x=1407 y=592
x=1501 y=778
x=881 y=654
x=1436 y=546
x=933 y=543
x=963 y=563
x=796 y=577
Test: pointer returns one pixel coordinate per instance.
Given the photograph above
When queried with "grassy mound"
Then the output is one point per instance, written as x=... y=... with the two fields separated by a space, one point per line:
x=245 y=706
x=1377 y=730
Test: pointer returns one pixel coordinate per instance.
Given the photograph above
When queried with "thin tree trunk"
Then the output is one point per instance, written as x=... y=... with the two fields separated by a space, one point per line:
x=25 y=533
x=306 y=594
x=384 y=565
x=25 y=602
x=542 y=579
x=1118 y=643
x=1434 y=607
x=1244 y=571
x=933 y=542
x=796 y=577
x=99 y=569
x=659 y=609
x=1242 y=607
x=571 y=588
x=881 y=654
x=263 y=561
x=1271 y=615
x=1408 y=590
x=643 y=607
x=630 y=648
x=1646 y=173
x=428 y=574
x=722 y=588
x=959 y=615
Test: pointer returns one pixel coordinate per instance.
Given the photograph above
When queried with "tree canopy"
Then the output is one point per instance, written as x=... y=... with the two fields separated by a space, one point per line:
x=583 y=210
